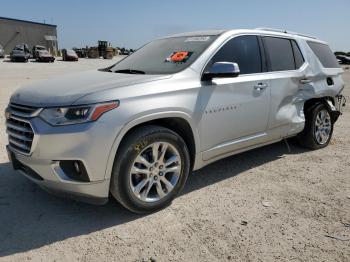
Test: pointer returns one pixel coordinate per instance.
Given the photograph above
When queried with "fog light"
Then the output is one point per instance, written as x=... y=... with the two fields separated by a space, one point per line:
x=75 y=170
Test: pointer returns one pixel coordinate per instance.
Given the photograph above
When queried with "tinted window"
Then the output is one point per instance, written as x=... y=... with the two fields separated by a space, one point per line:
x=280 y=53
x=243 y=50
x=324 y=54
x=299 y=60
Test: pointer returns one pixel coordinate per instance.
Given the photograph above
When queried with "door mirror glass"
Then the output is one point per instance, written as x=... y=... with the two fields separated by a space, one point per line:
x=222 y=70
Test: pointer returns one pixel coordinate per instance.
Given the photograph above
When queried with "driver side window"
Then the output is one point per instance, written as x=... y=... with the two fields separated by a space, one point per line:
x=243 y=50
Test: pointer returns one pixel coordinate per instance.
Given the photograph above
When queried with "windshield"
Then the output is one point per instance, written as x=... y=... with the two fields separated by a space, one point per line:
x=40 y=48
x=19 y=48
x=71 y=52
x=164 y=56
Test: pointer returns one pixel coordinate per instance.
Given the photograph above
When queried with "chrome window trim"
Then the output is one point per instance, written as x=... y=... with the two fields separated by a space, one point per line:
x=261 y=35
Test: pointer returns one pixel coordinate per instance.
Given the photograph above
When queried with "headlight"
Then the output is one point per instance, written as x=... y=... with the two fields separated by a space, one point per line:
x=76 y=114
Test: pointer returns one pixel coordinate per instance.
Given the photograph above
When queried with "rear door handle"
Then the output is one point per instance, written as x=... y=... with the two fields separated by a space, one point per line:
x=305 y=81
x=260 y=86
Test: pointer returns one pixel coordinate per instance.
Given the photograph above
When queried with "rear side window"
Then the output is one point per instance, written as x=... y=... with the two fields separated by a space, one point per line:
x=243 y=50
x=280 y=53
x=324 y=54
x=298 y=57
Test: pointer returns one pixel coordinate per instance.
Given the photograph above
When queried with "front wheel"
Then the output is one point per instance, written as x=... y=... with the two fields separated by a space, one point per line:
x=150 y=169
x=318 y=128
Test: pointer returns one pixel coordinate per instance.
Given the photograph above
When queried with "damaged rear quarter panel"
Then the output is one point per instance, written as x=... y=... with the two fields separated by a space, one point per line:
x=288 y=94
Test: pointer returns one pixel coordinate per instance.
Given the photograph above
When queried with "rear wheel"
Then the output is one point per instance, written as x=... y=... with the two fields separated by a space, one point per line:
x=318 y=128
x=150 y=170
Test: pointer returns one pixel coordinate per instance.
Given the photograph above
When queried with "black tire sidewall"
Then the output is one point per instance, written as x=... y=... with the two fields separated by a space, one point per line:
x=120 y=183
x=310 y=132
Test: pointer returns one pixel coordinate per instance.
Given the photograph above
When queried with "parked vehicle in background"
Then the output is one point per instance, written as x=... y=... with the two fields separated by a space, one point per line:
x=36 y=49
x=345 y=60
x=81 y=52
x=139 y=127
x=44 y=56
x=2 y=52
x=93 y=52
x=69 y=55
x=125 y=52
x=20 y=53
x=102 y=48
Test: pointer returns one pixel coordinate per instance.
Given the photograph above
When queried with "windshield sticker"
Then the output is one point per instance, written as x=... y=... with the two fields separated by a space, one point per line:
x=198 y=39
x=178 y=57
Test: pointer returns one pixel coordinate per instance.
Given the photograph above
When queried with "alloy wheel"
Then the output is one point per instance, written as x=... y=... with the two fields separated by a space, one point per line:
x=155 y=172
x=323 y=127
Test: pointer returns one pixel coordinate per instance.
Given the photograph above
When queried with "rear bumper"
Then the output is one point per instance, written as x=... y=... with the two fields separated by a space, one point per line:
x=340 y=103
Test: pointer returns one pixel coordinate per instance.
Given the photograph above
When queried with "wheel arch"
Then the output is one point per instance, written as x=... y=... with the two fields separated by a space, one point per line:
x=328 y=101
x=179 y=122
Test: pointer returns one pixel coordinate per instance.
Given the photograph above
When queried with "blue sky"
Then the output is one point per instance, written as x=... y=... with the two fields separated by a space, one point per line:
x=131 y=23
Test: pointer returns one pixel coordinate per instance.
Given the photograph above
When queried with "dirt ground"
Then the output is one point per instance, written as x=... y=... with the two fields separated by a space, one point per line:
x=264 y=205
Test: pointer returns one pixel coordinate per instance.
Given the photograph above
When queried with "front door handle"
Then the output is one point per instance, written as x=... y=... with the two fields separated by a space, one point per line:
x=260 y=86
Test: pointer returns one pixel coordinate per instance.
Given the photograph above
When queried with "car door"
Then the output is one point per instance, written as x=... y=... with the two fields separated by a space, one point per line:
x=288 y=77
x=236 y=110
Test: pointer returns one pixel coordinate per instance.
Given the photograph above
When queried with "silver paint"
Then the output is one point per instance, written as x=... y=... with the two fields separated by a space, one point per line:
x=226 y=116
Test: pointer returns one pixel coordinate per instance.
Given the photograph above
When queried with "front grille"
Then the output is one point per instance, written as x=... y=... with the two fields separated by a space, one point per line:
x=23 y=111
x=19 y=130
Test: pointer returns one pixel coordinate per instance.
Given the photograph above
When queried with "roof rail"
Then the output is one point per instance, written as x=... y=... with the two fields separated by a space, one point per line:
x=283 y=31
x=271 y=29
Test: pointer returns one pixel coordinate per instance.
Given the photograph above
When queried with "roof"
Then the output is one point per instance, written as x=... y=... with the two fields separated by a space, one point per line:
x=271 y=31
x=25 y=21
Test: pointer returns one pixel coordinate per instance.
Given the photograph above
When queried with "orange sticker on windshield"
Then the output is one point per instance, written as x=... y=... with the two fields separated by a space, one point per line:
x=179 y=56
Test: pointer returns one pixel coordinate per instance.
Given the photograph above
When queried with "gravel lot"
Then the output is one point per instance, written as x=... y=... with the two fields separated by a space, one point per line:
x=264 y=205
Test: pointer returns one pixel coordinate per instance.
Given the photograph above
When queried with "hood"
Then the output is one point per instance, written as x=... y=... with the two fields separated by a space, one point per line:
x=65 y=90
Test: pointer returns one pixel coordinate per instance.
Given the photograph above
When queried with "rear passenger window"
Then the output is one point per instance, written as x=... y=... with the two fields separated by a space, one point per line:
x=298 y=57
x=324 y=54
x=243 y=50
x=280 y=53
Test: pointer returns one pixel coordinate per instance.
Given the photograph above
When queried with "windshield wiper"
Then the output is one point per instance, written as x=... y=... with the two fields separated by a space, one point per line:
x=130 y=71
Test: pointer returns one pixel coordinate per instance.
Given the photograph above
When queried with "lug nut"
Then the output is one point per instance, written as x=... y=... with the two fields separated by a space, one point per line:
x=161 y=173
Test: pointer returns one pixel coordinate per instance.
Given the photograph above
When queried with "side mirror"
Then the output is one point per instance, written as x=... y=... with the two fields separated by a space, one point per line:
x=221 y=70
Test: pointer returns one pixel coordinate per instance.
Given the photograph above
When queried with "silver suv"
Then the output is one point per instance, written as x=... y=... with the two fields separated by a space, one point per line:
x=139 y=127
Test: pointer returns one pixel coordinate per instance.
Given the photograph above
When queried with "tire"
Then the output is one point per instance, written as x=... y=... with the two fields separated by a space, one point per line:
x=154 y=193
x=310 y=137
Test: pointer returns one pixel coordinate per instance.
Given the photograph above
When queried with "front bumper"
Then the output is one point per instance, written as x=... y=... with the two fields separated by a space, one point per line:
x=88 y=143
x=44 y=175
x=19 y=58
